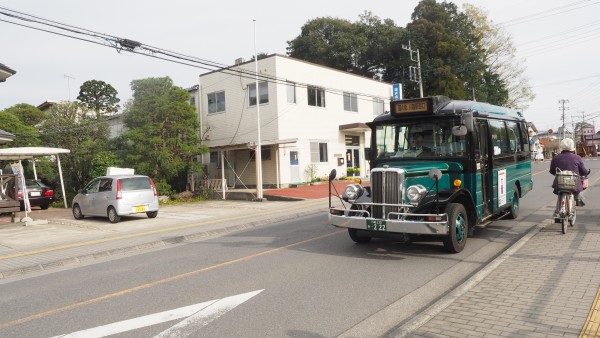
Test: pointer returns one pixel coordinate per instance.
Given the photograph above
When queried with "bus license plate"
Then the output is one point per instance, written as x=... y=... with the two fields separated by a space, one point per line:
x=375 y=224
x=140 y=208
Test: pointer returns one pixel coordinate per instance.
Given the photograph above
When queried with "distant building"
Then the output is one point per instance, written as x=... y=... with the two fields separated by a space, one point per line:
x=5 y=72
x=312 y=119
x=115 y=123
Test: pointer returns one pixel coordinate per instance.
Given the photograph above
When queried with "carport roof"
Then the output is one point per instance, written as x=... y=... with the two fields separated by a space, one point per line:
x=23 y=153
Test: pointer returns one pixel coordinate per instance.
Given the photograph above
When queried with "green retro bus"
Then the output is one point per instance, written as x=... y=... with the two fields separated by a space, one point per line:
x=439 y=168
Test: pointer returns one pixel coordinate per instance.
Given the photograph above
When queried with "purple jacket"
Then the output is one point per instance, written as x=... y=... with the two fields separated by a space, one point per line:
x=567 y=160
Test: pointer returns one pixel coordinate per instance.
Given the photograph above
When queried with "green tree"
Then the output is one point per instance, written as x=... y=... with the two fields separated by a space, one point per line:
x=27 y=113
x=25 y=135
x=450 y=60
x=162 y=133
x=363 y=47
x=99 y=96
x=70 y=126
x=102 y=161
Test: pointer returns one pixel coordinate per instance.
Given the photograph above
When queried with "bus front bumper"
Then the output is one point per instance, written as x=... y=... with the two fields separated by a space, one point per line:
x=405 y=223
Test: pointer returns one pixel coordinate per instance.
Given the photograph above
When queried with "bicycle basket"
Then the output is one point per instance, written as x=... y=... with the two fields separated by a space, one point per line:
x=566 y=181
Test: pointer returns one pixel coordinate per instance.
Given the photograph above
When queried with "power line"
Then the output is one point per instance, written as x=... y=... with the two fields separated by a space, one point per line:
x=549 y=12
x=132 y=46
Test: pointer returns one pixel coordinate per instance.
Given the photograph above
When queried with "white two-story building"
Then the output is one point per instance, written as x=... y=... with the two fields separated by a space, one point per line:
x=312 y=119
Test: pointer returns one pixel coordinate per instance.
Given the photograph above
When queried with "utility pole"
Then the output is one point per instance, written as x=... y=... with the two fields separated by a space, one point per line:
x=258 y=148
x=563 y=108
x=415 y=72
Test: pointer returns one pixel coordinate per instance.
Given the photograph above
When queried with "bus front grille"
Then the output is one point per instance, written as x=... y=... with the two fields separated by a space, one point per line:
x=386 y=188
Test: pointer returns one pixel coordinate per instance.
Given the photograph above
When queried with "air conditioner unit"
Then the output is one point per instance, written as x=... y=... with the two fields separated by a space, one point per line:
x=239 y=60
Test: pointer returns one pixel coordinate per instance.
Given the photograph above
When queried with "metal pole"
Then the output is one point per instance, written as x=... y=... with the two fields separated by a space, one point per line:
x=420 y=78
x=257 y=150
x=62 y=184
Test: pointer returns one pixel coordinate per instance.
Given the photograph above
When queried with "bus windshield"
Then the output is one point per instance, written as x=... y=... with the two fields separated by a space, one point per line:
x=410 y=139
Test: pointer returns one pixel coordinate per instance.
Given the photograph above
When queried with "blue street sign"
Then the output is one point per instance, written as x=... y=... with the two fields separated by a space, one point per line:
x=397 y=91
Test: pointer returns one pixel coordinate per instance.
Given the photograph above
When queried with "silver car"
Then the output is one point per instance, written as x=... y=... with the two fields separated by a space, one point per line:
x=114 y=196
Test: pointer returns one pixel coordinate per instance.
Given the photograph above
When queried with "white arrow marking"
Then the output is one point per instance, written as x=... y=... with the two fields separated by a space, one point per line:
x=196 y=315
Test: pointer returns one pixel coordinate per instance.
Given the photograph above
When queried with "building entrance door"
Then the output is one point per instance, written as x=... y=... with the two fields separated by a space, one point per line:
x=353 y=161
x=294 y=168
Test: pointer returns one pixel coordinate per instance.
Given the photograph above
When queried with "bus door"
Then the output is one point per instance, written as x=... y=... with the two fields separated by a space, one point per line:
x=483 y=164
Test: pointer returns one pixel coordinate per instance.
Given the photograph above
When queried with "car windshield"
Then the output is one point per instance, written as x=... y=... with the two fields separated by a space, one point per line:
x=408 y=139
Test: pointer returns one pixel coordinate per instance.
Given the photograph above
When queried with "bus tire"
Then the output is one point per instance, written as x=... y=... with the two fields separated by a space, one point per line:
x=458 y=224
x=513 y=211
x=358 y=237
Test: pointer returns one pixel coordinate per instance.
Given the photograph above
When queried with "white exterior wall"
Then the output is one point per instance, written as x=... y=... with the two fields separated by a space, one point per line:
x=281 y=120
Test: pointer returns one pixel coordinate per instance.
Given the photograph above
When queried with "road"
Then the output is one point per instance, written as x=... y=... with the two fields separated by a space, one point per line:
x=297 y=278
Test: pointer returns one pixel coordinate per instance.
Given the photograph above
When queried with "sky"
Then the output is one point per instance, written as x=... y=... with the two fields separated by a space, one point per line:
x=558 y=41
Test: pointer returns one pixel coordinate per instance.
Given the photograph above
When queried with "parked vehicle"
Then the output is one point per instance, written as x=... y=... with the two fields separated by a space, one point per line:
x=114 y=196
x=39 y=194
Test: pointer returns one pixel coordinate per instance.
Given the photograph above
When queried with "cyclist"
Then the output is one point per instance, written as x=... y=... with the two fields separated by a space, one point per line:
x=569 y=160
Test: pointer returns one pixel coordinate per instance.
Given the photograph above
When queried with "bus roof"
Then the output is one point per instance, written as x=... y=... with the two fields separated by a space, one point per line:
x=442 y=105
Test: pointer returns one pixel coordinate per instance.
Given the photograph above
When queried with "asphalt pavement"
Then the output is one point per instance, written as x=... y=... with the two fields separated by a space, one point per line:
x=545 y=285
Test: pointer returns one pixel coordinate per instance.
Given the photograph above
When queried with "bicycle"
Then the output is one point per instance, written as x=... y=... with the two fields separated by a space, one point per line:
x=566 y=184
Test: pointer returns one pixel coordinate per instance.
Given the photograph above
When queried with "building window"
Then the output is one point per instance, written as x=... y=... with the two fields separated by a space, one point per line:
x=350 y=102
x=216 y=102
x=318 y=152
x=316 y=97
x=263 y=88
x=215 y=158
x=193 y=100
x=265 y=154
x=291 y=92
x=352 y=140
x=378 y=106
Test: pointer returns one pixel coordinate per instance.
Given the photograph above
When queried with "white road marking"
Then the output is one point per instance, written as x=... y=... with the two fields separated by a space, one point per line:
x=196 y=316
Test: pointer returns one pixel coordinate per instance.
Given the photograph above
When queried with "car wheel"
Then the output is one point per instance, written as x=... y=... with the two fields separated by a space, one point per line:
x=112 y=215
x=152 y=214
x=458 y=223
x=44 y=206
x=77 y=212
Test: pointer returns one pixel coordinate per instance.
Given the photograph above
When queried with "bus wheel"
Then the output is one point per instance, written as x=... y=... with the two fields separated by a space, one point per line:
x=458 y=223
x=358 y=237
x=513 y=212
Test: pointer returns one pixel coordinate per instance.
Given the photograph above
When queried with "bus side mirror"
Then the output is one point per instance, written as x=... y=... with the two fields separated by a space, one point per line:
x=459 y=130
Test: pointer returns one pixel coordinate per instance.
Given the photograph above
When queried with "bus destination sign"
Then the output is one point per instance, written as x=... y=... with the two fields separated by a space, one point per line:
x=423 y=105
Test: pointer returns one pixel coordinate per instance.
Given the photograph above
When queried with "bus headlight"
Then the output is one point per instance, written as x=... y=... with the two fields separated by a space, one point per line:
x=415 y=193
x=352 y=192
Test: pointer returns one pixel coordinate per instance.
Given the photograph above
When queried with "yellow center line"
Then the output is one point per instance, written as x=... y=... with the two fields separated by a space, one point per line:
x=180 y=227
x=159 y=282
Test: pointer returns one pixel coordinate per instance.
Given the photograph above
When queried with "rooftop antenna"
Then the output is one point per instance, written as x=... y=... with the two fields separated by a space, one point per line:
x=69 y=85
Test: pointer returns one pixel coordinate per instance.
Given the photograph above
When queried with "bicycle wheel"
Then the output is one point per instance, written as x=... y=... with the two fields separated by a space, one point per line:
x=573 y=215
x=563 y=223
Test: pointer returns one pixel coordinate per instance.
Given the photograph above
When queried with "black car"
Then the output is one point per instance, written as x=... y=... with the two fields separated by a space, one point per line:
x=39 y=194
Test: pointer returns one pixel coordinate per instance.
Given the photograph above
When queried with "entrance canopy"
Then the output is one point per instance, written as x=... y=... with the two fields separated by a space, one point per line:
x=24 y=153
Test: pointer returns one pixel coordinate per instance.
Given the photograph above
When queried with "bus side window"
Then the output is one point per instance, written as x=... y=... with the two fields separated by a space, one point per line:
x=513 y=136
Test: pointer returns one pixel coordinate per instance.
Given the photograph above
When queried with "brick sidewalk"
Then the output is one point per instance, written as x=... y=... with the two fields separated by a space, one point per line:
x=310 y=191
x=548 y=288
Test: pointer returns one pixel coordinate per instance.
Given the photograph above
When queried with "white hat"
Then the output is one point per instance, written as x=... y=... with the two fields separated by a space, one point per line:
x=567 y=144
